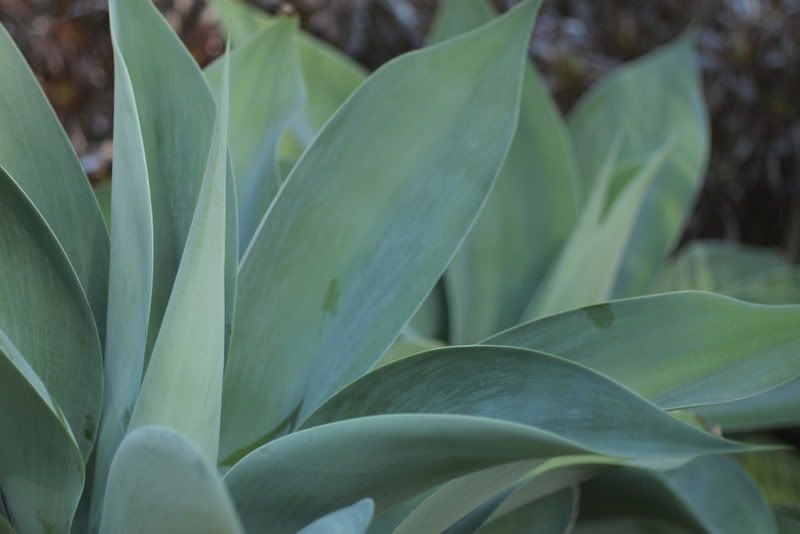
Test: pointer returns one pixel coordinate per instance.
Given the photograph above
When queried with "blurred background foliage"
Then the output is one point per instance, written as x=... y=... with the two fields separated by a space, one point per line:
x=750 y=55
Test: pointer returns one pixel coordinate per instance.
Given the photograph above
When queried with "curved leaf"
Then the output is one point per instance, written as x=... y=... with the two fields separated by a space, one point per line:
x=708 y=348
x=354 y=519
x=130 y=278
x=46 y=314
x=160 y=483
x=528 y=215
x=392 y=458
x=361 y=207
x=41 y=468
x=182 y=388
x=521 y=386
x=37 y=154
x=266 y=93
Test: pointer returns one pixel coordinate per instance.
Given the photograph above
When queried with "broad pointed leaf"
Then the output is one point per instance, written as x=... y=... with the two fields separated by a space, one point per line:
x=528 y=215
x=37 y=154
x=648 y=110
x=182 y=388
x=266 y=93
x=677 y=349
x=522 y=386
x=46 y=314
x=130 y=278
x=176 y=121
x=374 y=237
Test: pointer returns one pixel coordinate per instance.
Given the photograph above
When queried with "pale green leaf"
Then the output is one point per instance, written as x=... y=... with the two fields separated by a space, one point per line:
x=647 y=121
x=46 y=314
x=748 y=273
x=521 y=386
x=37 y=154
x=677 y=349
x=160 y=483
x=130 y=278
x=392 y=458
x=354 y=519
x=41 y=468
x=182 y=387
x=374 y=237
x=329 y=76
x=266 y=93
x=176 y=121
x=527 y=216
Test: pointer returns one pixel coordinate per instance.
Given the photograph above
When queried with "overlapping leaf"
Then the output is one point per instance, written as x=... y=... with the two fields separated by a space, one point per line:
x=37 y=154
x=646 y=127
x=45 y=313
x=679 y=349
x=374 y=237
x=266 y=93
x=182 y=388
x=527 y=216
x=451 y=412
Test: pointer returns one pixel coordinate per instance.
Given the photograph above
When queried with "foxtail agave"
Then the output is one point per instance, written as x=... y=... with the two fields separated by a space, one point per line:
x=258 y=341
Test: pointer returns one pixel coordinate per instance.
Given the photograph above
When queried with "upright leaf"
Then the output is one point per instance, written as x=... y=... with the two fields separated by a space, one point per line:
x=160 y=483
x=266 y=93
x=329 y=76
x=46 y=315
x=36 y=152
x=176 y=121
x=182 y=388
x=356 y=238
x=706 y=348
x=41 y=468
x=650 y=113
x=131 y=274
x=528 y=214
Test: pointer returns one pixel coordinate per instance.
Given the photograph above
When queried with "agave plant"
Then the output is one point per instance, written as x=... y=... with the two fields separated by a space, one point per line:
x=244 y=348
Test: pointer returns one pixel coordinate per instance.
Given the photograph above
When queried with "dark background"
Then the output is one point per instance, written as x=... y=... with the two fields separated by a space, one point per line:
x=749 y=50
